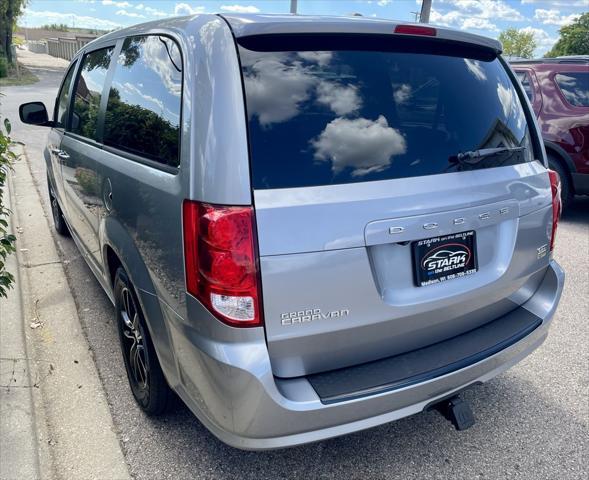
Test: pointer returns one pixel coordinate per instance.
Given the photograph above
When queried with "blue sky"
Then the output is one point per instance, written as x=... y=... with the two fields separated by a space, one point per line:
x=486 y=17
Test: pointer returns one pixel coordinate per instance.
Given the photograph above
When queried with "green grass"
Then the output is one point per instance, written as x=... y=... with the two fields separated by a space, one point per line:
x=26 y=77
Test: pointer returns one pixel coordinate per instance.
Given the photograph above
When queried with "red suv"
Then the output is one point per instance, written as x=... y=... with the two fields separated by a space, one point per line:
x=558 y=89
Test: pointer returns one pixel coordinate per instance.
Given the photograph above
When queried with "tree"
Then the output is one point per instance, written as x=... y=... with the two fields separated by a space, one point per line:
x=7 y=240
x=10 y=10
x=574 y=38
x=517 y=43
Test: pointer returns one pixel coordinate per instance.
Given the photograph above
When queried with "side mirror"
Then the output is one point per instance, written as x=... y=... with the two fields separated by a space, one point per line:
x=34 y=113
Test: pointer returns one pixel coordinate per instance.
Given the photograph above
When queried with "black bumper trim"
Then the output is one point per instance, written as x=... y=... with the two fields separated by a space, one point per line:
x=425 y=363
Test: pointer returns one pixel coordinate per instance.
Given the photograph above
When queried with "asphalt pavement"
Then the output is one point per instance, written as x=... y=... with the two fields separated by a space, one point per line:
x=532 y=422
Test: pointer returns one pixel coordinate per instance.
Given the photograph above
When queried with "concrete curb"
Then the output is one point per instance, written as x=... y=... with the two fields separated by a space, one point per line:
x=75 y=425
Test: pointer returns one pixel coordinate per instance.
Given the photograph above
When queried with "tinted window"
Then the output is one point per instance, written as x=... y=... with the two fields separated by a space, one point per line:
x=143 y=112
x=575 y=87
x=524 y=78
x=63 y=98
x=89 y=92
x=344 y=116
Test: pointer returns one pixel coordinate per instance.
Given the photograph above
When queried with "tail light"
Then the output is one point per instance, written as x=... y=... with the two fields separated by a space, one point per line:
x=556 y=204
x=221 y=261
x=415 y=30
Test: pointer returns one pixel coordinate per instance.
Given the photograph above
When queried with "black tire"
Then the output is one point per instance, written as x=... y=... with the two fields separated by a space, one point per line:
x=58 y=220
x=566 y=192
x=146 y=379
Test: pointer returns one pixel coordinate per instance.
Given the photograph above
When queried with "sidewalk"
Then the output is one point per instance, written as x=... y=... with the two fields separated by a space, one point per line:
x=19 y=456
x=58 y=423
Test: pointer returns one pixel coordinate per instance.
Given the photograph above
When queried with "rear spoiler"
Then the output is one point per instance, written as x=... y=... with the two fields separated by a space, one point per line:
x=254 y=25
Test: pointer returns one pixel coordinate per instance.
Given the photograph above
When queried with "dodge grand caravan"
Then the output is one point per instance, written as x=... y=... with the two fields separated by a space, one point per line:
x=308 y=226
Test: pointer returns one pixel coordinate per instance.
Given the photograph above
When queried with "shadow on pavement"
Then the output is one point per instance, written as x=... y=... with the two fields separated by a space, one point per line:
x=578 y=212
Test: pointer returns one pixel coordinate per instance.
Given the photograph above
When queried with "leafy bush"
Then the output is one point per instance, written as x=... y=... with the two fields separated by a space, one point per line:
x=88 y=181
x=3 y=66
x=7 y=240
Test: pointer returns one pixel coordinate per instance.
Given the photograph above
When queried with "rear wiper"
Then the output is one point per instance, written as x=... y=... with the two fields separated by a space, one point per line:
x=475 y=156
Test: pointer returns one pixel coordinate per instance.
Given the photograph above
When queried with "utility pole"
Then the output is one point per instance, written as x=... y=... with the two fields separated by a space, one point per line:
x=426 y=6
x=293 y=6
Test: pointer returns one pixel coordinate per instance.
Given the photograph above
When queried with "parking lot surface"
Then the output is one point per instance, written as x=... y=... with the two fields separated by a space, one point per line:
x=532 y=422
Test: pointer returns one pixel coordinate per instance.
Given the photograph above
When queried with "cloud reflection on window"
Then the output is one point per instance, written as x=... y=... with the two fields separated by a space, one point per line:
x=474 y=67
x=341 y=99
x=402 y=93
x=320 y=58
x=276 y=90
x=366 y=146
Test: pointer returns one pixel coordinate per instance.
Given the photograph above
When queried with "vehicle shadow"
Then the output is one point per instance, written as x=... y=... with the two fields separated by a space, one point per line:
x=578 y=212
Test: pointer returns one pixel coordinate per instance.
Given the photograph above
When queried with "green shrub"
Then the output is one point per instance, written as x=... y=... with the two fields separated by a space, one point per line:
x=7 y=240
x=3 y=67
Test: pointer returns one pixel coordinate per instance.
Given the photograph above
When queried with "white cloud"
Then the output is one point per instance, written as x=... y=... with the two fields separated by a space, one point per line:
x=341 y=99
x=474 y=67
x=543 y=39
x=320 y=58
x=478 y=24
x=474 y=14
x=276 y=90
x=185 y=9
x=140 y=6
x=402 y=94
x=154 y=12
x=240 y=8
x=81 y=21
x=384 y=3
x=117 y=4
x=364 y=145
x=553 y=17
x=124 y=13
x=455 y=18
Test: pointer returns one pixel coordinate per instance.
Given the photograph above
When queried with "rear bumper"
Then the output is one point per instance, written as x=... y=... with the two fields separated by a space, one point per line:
x=234 y=393
x=581 y=183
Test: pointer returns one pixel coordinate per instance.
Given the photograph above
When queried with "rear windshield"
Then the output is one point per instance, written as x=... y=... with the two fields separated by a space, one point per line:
x=347 y=115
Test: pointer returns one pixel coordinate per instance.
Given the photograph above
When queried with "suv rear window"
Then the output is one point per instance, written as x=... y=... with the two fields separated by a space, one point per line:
x=322 y=117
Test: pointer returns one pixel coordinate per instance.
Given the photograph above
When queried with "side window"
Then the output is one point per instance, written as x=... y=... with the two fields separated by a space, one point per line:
x=575 y=87
x=89 y=88
x=524 y=78
x=63 y=98
x=143 y=111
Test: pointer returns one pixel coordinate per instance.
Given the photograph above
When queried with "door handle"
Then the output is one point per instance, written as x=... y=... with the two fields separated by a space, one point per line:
x=63 y=155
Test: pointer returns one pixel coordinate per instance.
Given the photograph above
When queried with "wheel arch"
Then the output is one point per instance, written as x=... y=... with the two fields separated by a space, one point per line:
x=119 y=250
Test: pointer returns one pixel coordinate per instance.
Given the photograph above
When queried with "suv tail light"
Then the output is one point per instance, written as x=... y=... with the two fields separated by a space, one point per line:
x=221 y=261
x=556 y=204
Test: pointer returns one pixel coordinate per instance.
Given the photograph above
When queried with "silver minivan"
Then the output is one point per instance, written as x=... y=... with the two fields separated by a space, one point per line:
x=308 y=226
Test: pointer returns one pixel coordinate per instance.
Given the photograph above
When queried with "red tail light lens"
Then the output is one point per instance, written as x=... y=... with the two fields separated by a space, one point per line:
x=416 y=30
x=556 y=204
x=221 y=261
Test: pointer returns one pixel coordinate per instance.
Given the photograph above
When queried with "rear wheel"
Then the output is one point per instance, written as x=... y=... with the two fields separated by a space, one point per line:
x=58 y=220
x=566 y=191
x=144 y=372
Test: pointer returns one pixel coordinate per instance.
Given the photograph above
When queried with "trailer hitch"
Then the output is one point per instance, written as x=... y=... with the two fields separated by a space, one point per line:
x=456 y=411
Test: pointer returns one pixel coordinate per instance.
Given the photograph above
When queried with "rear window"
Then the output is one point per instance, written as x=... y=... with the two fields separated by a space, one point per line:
x=339 y=115
x=574 y=87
